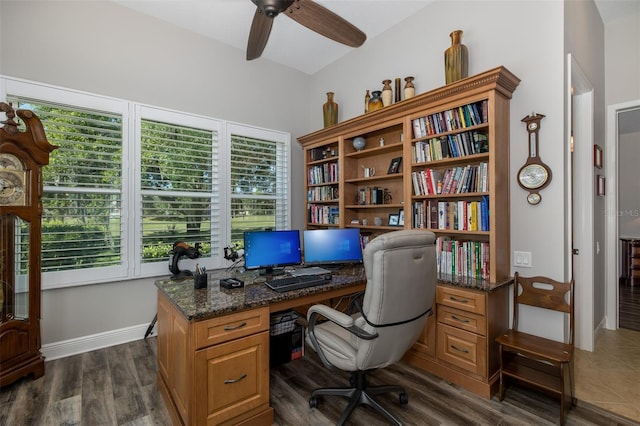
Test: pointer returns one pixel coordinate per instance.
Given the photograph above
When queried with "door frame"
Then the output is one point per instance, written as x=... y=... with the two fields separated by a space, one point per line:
x=580 y=134
x=612 y=245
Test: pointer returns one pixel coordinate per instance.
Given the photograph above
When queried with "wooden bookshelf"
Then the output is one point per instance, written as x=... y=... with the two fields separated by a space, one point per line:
x=460 y=129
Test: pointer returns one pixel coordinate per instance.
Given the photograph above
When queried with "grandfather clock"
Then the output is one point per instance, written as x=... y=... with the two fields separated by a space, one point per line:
x=22 y=155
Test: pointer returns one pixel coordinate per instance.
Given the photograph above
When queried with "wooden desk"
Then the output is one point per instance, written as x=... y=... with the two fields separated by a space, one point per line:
x=213 y=345
x=630 y=256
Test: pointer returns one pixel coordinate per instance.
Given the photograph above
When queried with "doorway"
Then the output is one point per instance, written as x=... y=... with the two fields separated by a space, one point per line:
x=623 y=148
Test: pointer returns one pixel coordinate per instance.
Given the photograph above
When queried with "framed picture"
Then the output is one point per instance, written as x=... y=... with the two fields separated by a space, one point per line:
x=393 y=219
x=401 y=217
x=597 y=156
x=394 y=167
x=600 y=186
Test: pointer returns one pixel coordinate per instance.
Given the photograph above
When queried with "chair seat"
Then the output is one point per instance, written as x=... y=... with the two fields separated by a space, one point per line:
x=535 y=346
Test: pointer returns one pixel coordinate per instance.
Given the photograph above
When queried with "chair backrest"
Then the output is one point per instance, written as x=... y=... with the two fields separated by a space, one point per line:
x=546 y=293
x=401 y=282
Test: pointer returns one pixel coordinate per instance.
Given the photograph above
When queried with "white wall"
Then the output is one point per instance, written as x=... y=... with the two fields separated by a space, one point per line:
x=495 y=33
x=190 y=73
x=104 y=48
x=622 y=58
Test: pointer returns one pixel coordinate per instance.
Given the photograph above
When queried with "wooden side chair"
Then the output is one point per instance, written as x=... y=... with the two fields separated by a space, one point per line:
x=537 y=361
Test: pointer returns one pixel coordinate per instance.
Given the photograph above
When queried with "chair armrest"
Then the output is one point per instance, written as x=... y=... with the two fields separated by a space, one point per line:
x=343 y=320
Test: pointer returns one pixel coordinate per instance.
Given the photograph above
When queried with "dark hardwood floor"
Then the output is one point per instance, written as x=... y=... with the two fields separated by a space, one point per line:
x=629 y=306
x=117 y=386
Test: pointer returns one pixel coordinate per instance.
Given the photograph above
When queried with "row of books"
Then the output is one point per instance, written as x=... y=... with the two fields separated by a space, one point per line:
x=322 y=153
x=452 y=119
x=370 y=195
x=454 y=180
x=322 y=193
x=462 y=258
x=325 y=173
x=452 y=215
x=451 y=146
x=323 y=214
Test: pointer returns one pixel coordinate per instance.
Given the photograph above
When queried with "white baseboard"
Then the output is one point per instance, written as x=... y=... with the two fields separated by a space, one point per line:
x=599 y=331
x=92 y=342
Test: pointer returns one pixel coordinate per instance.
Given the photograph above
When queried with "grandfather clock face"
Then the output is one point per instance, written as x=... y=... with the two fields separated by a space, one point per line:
x=13 y=181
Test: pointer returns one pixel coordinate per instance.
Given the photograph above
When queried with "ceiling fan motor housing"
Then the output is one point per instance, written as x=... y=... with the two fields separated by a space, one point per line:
x=272 y=8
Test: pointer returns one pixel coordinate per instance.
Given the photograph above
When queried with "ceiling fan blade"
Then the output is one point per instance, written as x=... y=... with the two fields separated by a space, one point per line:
x=258 y=34
x=325 y=22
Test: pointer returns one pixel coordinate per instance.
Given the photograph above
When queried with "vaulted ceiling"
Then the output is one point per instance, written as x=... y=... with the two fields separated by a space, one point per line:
x=291 y=44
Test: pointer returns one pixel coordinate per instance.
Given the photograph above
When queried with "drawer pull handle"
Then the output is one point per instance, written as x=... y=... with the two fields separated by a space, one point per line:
x=230 y=381
x=235 y=327
x=455 y=299
x=460 y=319
x=464 y=351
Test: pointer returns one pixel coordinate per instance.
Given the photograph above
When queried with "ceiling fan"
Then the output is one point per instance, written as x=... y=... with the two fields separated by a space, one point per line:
x=305 y=12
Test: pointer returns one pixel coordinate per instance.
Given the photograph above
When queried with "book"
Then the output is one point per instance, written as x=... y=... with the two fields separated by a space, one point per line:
x=417 y=133
x=432 y=206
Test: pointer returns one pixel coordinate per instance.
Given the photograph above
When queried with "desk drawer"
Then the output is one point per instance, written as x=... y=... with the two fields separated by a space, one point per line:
x=232 y=380
x=462 y=349
x=461 y=299
x=229 y=327
x=462 y=319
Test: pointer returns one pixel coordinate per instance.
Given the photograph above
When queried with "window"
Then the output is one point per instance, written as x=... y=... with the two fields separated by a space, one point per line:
x=129 y=180
x=259 y=182
x=179 y=186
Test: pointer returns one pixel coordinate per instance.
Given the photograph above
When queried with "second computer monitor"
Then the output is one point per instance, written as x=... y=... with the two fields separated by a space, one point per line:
x=332 y=246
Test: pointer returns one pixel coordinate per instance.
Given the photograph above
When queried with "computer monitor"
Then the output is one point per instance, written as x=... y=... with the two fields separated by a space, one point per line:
x=267 y=250
x=332 y=246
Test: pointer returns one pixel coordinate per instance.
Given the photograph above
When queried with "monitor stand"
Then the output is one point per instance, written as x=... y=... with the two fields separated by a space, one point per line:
x=271 y=271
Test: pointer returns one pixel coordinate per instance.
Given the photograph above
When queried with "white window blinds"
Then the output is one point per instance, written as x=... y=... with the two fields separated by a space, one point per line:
x=179 y=186
x=82 y=222
x=259 y=184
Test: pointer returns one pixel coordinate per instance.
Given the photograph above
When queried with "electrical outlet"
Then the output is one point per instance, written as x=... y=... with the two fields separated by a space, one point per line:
x=522 y=259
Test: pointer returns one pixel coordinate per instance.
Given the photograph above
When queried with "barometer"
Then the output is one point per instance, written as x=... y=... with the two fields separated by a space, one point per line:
x=534 y=175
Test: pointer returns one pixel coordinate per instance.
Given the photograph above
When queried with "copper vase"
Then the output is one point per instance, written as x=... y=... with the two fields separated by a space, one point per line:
x=330 y=111
x=456 y=59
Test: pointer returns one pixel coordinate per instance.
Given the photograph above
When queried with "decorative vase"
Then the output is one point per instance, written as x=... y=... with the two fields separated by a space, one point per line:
x=387 y=93
x=456 y=59
x=359 y=143
x=409 y=88
x=330 y=111
x=397 y=92
x=375 y=103
x=367 y=96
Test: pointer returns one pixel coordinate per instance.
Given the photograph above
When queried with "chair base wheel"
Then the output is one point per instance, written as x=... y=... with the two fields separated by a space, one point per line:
x=313 y=402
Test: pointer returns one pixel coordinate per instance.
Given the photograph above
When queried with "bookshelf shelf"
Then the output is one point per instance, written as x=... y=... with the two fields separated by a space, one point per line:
x=375 y=178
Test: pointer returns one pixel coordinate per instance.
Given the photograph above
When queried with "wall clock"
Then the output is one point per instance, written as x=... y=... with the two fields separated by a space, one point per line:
x=534 y=175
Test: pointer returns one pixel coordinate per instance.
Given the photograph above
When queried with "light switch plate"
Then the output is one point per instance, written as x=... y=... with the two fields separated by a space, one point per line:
x=522 y=259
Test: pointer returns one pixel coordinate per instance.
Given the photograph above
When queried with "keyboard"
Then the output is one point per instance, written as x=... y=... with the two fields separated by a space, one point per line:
x=294 y=283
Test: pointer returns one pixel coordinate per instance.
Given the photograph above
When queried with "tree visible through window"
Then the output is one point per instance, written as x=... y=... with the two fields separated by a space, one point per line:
x=130 y=180
x=81 y=223
x=258 y=183
x=177 y=187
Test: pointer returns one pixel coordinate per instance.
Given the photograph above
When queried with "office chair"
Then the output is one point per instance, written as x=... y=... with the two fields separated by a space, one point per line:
x=537 y=361
x=400 y=267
